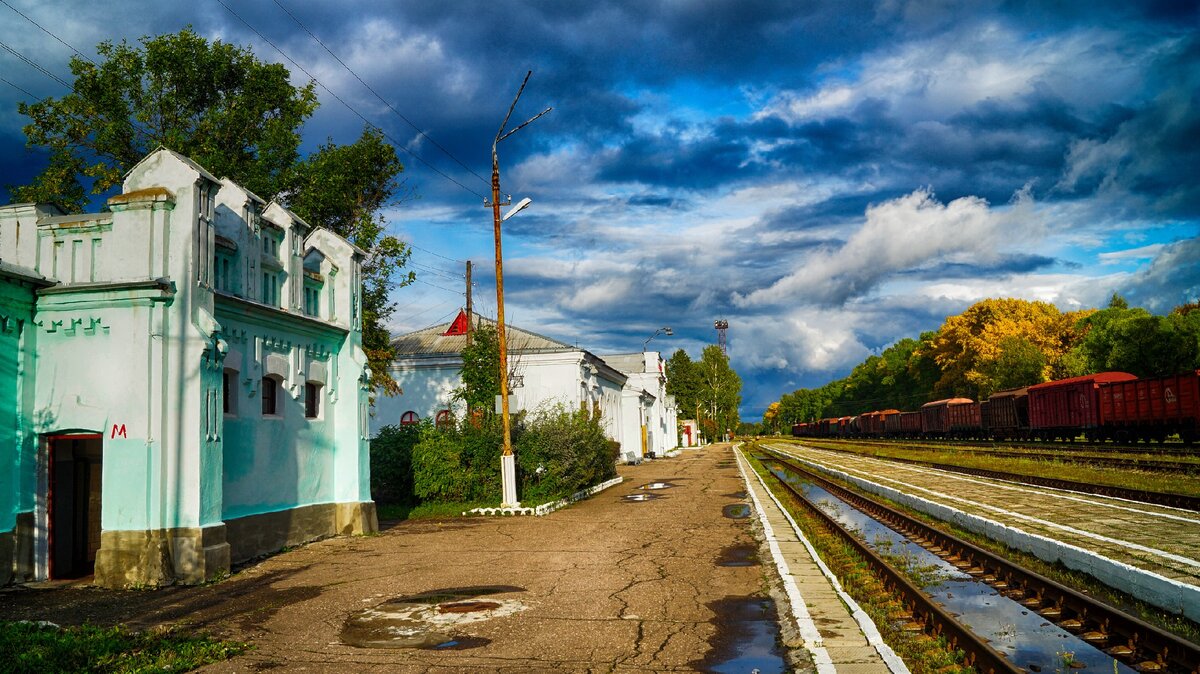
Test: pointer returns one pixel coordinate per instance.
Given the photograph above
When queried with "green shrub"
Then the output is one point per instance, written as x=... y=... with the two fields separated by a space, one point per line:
x=458 y=462
x=391 y=464
x=570 y=447
x=36 y=648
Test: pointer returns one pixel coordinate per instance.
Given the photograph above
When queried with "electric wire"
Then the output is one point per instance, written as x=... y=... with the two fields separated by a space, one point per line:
x=425 y=250
x=35 y=65
x=397 y=144
x=17 y=87
x=437 y=272
x=434 y=285
x=47 y=32
x=375 y=93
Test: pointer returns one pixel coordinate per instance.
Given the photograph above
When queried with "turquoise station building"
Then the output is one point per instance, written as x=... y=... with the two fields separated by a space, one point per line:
x=182 y=383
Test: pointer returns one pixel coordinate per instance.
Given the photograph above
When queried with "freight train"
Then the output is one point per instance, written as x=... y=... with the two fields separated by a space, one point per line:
x=1106 y=406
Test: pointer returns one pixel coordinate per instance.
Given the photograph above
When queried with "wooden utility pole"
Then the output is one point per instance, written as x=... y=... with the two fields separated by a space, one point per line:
x=470 y=308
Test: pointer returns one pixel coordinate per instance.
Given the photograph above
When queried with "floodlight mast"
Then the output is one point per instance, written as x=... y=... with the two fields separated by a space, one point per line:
x=508 y=469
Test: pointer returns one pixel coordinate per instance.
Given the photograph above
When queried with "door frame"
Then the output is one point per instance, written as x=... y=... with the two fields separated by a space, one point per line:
x=43 y=560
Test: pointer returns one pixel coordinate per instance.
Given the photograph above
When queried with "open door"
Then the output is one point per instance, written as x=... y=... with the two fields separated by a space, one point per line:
x=73 y=504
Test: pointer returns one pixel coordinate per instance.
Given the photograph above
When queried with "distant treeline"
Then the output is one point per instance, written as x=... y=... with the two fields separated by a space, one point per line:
x=999 y=344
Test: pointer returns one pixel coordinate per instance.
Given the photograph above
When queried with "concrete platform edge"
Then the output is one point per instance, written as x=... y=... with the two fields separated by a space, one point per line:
x=866 y=624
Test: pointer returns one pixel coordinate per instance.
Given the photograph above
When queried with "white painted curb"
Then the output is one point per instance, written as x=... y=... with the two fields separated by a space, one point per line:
x=546 y=508
x=865 y=623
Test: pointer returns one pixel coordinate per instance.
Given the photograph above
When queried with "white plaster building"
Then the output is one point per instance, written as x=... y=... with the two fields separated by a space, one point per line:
x=647 y=408
x=544 y=372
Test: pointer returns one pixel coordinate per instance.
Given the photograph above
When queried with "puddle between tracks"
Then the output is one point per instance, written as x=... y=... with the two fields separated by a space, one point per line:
x=1025 y=637
x=747 y=637
x=736 y=511
x=429 y=620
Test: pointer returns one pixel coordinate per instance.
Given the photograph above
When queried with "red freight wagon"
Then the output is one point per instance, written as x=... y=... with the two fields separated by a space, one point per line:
x=949 y=416
x=910 y=424
x=891 y=425
x=872 y=424
x=1006 y=413
x=1152 y=408
x=1068 y=407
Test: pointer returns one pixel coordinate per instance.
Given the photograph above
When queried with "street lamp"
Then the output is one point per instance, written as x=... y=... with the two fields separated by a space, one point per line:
x=508 y=462
x=663 y=330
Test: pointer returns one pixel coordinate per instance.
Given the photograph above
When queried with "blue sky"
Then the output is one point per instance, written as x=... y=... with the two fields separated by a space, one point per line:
x=828 y=177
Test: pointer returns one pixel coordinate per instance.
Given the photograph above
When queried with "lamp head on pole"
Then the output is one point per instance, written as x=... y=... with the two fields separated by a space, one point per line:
x=521 y=205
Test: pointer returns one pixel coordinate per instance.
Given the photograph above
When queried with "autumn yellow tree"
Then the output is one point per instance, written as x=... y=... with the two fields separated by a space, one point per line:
x=1003 y=343
x=771 y=417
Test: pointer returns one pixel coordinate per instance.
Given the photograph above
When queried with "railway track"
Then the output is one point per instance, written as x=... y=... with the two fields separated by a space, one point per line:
x=1124 y=637
x=1121 y=463
x=1183 y=501
x=1166 y=449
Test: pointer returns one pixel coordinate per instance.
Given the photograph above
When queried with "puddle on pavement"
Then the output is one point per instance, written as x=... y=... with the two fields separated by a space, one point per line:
x=738 y=555
x=747 y=637
x=739 y=495
x=636 y=498
x=430 y=620
x=1024 y=636
x=656 y=485
x=736 y=511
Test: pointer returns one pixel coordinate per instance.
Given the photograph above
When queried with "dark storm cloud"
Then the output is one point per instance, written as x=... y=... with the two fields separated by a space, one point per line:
x=1171 y=279
x=1002 y=266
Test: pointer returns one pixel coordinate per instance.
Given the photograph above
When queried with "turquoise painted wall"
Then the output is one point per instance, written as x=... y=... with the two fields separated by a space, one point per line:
x=16 y=312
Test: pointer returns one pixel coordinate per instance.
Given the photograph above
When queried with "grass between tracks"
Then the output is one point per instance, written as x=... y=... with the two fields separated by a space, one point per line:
x=34 y=648
x=968 y=457
x=923 y=654
x=1077 y=580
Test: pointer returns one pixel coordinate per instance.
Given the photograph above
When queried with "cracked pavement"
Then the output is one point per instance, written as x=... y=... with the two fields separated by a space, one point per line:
x=609 y=585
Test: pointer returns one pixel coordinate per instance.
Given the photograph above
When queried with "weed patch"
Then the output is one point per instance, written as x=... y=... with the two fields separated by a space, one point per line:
x=33 y=648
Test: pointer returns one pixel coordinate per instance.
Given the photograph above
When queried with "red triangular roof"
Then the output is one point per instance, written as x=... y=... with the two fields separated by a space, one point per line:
x=459 y=326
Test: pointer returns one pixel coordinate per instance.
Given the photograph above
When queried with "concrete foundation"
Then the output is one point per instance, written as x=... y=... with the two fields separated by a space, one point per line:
x=161 y=557
x=257 y=535
x=7 y=539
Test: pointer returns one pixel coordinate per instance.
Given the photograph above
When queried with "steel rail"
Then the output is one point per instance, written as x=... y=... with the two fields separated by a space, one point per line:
x=926 y=614
x=1125 y=637
x=1165 y=449
x=1173 y=500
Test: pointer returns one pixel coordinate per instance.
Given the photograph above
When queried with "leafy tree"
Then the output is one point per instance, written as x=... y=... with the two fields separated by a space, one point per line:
x=238 y=117
x=1141 y=343
x=967 y=346
x=343 y=188
x=1019 y=363
x=481 y=371
x=683 y=381
x=214 y=102
x=720 y=391
x=770 y=420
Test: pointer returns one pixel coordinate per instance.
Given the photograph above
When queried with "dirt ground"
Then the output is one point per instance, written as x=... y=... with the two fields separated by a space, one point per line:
x=608 y=583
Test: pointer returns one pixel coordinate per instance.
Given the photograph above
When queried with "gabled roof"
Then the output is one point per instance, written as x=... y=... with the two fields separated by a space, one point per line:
x=193 y=165
x=433 y=341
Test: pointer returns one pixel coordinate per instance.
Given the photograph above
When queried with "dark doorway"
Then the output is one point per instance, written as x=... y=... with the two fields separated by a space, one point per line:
x=74 y=504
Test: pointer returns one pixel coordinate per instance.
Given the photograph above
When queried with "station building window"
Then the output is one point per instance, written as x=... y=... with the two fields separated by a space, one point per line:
x=229 y=392
x=270 y=397
x=409 y=418
x=443 y=419
x=312 y=400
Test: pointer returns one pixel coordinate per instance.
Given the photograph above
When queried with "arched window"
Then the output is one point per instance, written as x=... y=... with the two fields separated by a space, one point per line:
x=443 y=419
x=409 y=418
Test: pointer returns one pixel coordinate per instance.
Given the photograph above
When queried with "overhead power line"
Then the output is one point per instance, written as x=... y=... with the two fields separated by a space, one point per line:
x=18 y=88
x=375 y=93
x=397 y=144
x=426 y=250
x=35 y=65
x=47 y=32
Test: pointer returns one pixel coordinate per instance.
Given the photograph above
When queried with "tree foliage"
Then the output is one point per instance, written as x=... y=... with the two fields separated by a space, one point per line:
x=968 y=346
x=999 y=344
x=239 y=117
x=480 y=371
x=683 y=382
x=212 y=101
x=720 y=392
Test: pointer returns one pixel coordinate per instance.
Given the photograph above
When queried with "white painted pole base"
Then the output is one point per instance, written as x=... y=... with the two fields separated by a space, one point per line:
x=508 y=481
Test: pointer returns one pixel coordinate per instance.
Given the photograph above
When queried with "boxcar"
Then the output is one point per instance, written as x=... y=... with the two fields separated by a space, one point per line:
x=1151 y=408
x=949 y=417
x=1006 y=414
x=1068 y=407
x=874 y=424
x=910 y=424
